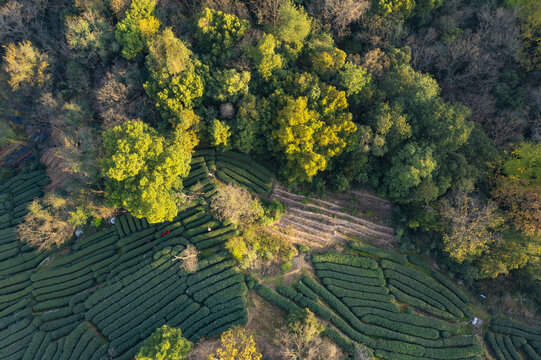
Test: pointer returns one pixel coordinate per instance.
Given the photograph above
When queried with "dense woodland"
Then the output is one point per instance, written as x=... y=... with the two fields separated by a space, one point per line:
x=433 y=104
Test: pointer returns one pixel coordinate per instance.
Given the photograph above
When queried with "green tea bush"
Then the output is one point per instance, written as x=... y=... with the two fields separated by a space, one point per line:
x=351 y=278
x=378 y=252
x=342 y=293
x=343 y=259
x=349 y=270
x=409 y=329
x=276 y=299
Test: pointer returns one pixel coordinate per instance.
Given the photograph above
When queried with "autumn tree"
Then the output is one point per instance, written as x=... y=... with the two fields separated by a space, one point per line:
x=137 y=27
x=228 y=85
x=166 y=343
x=236 y=344
x=220 y=134
x=25 y=65
x=264 y=56
x=471 y=225
x=338 y=14
x=144 y=170
x=174 y=83
x=518 y=189
x=397 y=8
x=292 y=25
x=300 y=339
x=46 y=224
x=312 y=125
x=188 y=257
x=235 y=204
x=217 y=33
x=89 y=34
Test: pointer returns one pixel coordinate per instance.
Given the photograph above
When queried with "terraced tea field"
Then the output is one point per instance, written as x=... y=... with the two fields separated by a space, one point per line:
x=102 y=295
x=400 y=311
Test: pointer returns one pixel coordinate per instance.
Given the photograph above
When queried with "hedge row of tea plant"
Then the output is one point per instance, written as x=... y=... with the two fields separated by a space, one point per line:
x=106 y=291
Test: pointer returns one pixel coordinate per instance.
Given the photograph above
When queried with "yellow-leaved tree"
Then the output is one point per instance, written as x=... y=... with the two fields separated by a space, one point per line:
x=236 y=345
x=313 y=123
x=144 y=170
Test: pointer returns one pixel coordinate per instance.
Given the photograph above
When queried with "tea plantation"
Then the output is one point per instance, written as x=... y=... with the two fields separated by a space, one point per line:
x=400 y=311
x=102 y=295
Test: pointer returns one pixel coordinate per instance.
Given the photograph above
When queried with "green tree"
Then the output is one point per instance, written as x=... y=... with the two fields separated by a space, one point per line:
x=26 y=66
x=89 y=34
x=220 y=134
x=229 y=85
x=518 y=189
x=137 y=27
x=217 y=33
x=293 y=24
x=312 y=125
x=144 y=170
x=396 y=8
x=173 y=82
x=353 y=78
x=416 y=138
x=327 y=63
x=265 y=58
x=251 y=123
x=166 y=343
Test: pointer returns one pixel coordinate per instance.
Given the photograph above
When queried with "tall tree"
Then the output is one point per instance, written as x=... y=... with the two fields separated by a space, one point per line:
x=26 y=66
x=166 y=343
x=144 y=170
x=236 y=345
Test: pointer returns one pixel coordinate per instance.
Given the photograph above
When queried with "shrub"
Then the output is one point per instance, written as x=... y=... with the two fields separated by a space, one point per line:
x=423 y=332
x=339 y=258
x=342 y=293
x=351 y=278
x=378 y=252
x=418 y=303
x=355 y=286
x=214 y=288
x=166 y=343
x=343 y=343
x=286 y=266
x=276 y=299
x=226 y=294
x=349 y=270
x=454 y=353
x=235 y=204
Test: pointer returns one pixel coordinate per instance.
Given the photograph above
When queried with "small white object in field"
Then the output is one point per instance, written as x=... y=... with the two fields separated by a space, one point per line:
x=112 y=220
x=483 y=296
x=209 y=229
x=78 y=232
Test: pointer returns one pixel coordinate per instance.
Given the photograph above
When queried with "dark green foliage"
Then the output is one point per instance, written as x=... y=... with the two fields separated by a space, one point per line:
x=355 y=286
x=276 y=299
x=451 y=286
x=342 y=293
x=351 y=278
x=378 y=252
x=423 y=332
x=343 y=259
x=420 y=304
x=349 y=270
x=343 y=343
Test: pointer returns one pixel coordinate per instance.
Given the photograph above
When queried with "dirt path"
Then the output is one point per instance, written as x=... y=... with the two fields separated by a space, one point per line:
x=320 y=222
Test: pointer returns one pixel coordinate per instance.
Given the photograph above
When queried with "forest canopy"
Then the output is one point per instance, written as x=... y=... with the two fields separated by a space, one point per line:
x=432 y=104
